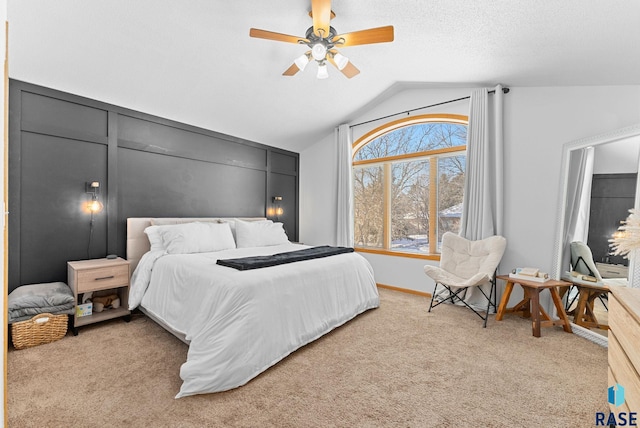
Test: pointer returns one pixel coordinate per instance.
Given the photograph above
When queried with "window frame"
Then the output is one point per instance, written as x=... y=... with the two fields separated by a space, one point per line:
x=386 y=163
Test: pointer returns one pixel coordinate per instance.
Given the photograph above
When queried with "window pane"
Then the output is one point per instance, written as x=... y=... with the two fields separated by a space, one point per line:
x=450 y=193
x=410 y=206
x=368 y=206
x=414 y=138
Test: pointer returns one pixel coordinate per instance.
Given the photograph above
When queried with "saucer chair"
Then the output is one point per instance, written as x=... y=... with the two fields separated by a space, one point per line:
x=465 y=264
x=582 y=262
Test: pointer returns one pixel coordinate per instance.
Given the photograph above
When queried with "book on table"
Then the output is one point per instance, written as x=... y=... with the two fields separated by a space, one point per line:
x=581 y=277
x=529 y=274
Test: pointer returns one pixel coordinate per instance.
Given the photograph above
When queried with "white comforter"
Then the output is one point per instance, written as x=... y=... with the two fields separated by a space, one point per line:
x=239 y=323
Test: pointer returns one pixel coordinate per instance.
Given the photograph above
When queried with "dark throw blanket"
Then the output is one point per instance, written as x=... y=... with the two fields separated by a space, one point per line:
x=256 y=262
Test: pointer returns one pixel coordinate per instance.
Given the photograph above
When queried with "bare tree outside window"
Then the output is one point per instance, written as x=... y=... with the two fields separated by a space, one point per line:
x=450 y=193
x=403 y=170
x=368 y=206
x=410 y=206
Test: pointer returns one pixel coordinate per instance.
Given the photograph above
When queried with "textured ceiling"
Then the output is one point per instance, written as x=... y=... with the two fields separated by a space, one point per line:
x=194 y=61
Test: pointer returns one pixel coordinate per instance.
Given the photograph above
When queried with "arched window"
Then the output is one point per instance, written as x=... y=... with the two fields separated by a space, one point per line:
x=409 y=184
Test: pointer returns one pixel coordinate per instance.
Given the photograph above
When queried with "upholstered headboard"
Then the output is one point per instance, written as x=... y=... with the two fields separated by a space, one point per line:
x=138 y=243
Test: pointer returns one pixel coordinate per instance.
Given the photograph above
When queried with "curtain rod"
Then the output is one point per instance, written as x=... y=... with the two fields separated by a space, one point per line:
x=493 y=91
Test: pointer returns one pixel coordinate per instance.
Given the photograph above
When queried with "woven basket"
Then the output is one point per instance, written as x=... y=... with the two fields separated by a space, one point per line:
x=42 y=328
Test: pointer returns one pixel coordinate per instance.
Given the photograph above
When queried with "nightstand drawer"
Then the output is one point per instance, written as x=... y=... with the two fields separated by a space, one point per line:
x=102 y=278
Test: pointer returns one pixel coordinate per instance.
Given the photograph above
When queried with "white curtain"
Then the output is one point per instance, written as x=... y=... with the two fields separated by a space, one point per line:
x=483 y=197
x=482 y=214
x=578 y=202
x=344 y=227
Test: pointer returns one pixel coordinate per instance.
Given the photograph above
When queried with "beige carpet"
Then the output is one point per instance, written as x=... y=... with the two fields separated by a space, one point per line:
x=395 y=366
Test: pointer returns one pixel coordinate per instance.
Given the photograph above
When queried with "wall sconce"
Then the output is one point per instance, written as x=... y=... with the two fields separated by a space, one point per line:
x=277 y=209
x=94 y=206
x=619 y=234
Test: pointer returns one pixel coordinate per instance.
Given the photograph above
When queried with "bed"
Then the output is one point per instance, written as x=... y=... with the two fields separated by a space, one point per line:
x=238 y=323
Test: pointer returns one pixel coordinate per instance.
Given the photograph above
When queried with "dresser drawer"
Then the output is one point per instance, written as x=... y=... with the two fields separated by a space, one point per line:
x=102 y=278
x=612 y=271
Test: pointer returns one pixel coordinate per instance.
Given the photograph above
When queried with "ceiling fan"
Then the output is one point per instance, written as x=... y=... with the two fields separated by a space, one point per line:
x=322 y=39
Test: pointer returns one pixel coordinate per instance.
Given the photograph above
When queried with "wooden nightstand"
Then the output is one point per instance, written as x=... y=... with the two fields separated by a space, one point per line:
x=95 y=275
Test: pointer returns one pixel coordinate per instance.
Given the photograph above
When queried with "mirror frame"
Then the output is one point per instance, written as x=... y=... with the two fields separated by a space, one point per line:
x=556 y=272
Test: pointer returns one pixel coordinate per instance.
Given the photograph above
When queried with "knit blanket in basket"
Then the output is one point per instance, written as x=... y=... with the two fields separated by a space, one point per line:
x=29 y=300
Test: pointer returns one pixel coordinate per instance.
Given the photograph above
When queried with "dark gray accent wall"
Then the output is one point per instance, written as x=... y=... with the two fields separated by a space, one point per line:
x=612 y=196
x=147 y=167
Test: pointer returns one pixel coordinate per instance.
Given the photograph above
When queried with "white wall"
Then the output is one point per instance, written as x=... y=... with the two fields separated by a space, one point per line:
x=620 y=157
x=318 y=197
x=538 y=121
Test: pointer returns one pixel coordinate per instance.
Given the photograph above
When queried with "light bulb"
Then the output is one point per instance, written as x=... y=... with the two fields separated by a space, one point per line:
x=341 y=61
x=319 y=51
x=302 y=61
x=94 y=206
x=322 y=71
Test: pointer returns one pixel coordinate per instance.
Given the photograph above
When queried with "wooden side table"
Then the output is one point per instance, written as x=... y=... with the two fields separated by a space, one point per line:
x=530 y=304
x=584 y=315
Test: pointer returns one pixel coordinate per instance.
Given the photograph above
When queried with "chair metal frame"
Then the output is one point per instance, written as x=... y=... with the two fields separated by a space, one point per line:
x=456 y=294
x=569 y=303
x=602 y=297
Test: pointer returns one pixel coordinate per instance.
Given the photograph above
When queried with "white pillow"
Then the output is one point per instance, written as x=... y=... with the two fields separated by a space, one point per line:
x=197 y=237
x=181 y=220
x=159 y=224
x=259 y=234
x=153 y=233
x=234 y=222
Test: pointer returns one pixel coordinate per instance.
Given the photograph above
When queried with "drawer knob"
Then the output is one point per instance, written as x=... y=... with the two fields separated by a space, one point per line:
x=104 y=277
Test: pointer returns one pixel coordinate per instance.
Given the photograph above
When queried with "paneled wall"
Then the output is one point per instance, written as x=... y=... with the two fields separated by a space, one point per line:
x=612 y=196
x=147 y=167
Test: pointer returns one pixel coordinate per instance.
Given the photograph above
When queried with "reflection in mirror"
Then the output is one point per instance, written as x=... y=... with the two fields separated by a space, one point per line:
x=599 y=186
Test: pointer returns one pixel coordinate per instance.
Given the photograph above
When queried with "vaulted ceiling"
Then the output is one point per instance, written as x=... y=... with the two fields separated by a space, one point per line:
x=194 y=62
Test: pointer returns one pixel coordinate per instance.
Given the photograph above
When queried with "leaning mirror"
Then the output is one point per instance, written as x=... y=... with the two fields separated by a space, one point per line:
x=599 y=185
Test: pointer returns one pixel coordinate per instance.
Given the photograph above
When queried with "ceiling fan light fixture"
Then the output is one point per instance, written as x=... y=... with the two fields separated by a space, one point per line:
x=341 y=61
x=302 y=61
x=321 y=39
x=323 y=73
x=319 y=51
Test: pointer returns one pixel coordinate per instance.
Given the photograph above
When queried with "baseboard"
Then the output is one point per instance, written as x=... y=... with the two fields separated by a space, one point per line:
x=404 y=290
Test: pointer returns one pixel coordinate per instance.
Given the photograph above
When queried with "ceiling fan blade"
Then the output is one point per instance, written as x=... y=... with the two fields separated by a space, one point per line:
x=365 y=37
x=279 y=37
x=348 y=70
x=291 y=70
x=321 y=14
